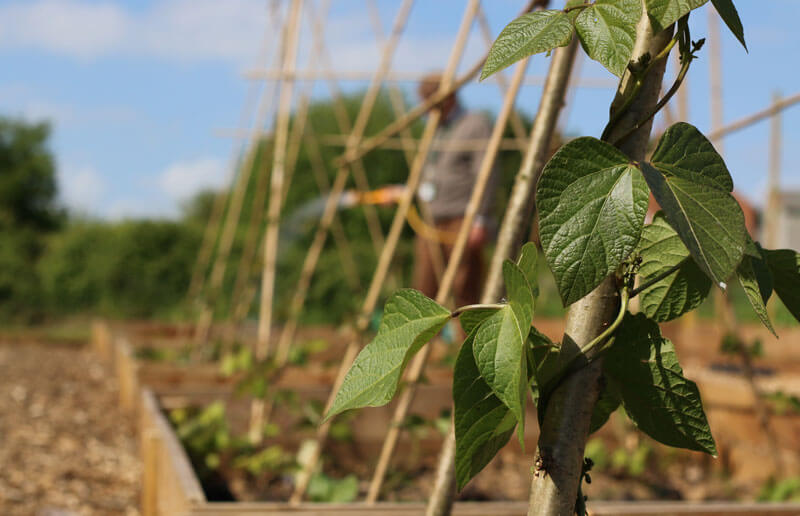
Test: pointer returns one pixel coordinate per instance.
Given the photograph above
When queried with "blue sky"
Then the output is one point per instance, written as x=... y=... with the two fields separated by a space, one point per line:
x=142 y=95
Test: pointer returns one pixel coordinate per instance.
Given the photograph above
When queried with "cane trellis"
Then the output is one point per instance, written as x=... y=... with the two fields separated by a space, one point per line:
x=287 y=140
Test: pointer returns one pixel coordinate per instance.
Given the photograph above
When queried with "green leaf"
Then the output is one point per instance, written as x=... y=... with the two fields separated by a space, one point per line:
x=531 y=33
x=608 y=402
x=644 y=369
x=410 y=319
x=664 y=13
x=527 y=264
x=727 y=11
x=689 y=180
x=757 y=287
x=592 y=202
x=472 y=318
x=684 y=152
x=499 y=344
x=784 y=264
x=682 y=291
x=607 y=31
x=483 y=423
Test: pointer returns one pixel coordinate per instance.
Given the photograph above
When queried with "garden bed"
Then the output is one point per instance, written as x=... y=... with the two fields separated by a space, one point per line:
x=647 y=472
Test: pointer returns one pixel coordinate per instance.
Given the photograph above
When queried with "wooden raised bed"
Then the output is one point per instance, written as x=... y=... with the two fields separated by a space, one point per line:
x=170 y=486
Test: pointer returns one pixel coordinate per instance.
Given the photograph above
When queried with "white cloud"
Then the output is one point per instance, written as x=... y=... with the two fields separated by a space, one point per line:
x=183 y=179
x=173 y=29
x=82 y=188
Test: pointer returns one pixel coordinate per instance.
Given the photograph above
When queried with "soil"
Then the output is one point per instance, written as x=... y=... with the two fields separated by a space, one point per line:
x=66 y=447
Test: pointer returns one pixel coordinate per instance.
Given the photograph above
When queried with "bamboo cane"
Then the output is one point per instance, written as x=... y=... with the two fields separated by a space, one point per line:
x=772 y=211
x=333 y=199
x=388 y=250
x=315 y=249
x=274 y=210
x=747 y=121
x=420 y=109
x=221 y=199
x=418 y=364
x=401 y=77
x=398 y=107
x=232 y=216
x=511 y=232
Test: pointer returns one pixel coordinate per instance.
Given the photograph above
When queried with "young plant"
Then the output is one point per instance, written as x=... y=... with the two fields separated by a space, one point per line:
x=592 y=199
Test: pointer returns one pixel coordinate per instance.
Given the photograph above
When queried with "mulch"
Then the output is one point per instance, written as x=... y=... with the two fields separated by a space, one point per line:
x=66 y=448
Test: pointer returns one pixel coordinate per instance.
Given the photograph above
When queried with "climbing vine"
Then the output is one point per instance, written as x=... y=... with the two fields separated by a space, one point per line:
x=592 y=201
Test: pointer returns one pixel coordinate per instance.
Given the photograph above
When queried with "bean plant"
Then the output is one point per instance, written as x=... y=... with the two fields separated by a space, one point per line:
x=592 y=201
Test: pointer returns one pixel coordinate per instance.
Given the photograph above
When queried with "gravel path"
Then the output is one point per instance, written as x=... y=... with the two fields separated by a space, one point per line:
x=66 y=449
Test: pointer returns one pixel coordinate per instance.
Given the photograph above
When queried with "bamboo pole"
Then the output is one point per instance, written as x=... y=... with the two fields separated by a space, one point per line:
x=747 y=121
x=221 y=199
x=252 y=237
x=422 y=108
x=331 y=206
x=400 y=77
x=566 y=421
x=715 y=75
x=388 y=250
x=345 y=126
x=407 y=143
x=772 y=211
x=315 y=249
x=231 y=223
x=274 y=209
x=520 y=208
x=418 y=364
x=398 y=107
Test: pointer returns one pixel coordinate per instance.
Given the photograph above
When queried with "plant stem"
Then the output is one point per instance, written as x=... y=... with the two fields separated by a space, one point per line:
x=661 y=103
x=519 y=211
x=639 y=81
x=471 y=308
x=623 y=307
x=566 y=420
x=576 y=7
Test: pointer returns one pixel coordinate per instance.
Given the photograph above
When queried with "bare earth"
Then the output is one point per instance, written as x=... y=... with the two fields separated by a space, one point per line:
x=65 y=447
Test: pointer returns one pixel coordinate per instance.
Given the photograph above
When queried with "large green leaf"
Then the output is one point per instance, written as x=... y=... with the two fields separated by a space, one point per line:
x=499 y=344
x=661 y=250
x=784 y=264
x=483 y=423
x=692 y=185
x=756 y=280
x=644 y=369
x=410 y=319
x=592 y=202
x=727 y=11
x=529 y=34
x=664 y=13
x=607 y=403
x=683 y=151
x=607 y=30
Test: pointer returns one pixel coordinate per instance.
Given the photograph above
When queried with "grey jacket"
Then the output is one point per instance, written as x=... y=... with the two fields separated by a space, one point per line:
x=449 y=175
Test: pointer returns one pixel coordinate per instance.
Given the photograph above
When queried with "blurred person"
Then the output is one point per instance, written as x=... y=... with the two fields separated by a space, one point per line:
x=445 y=189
